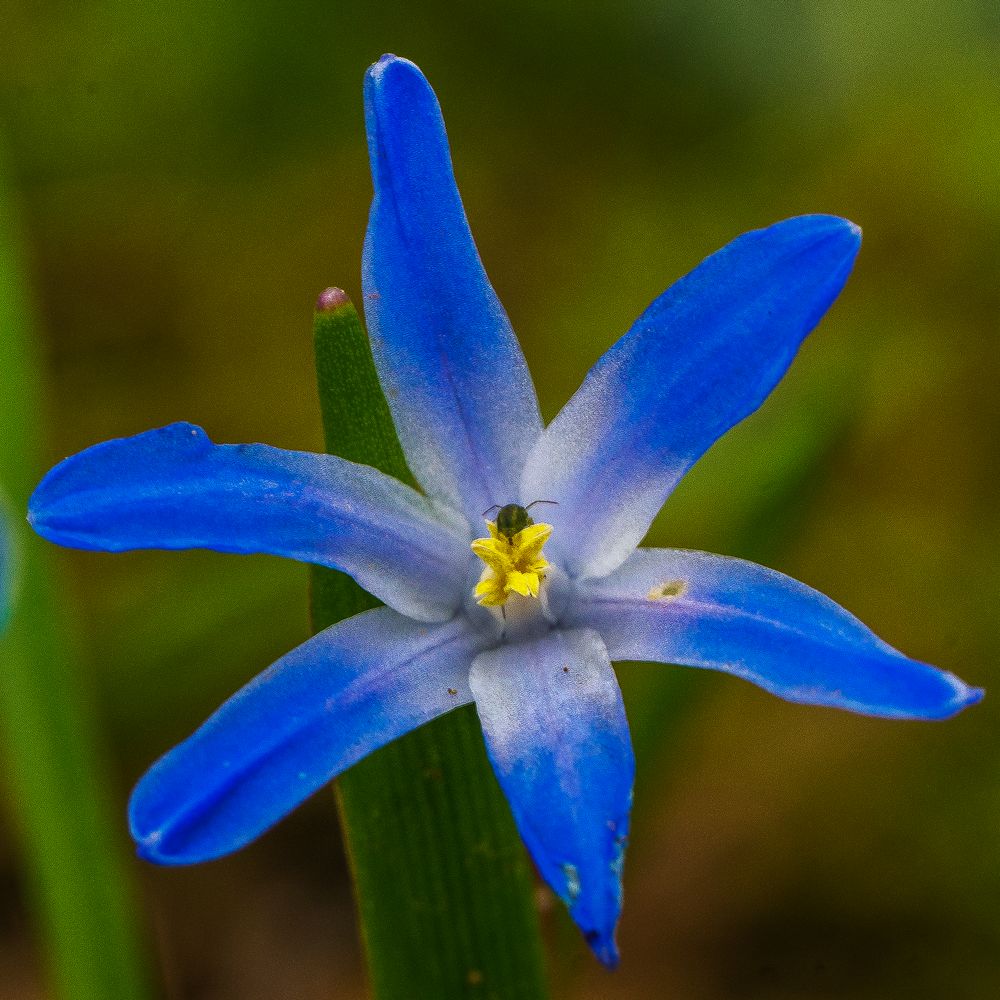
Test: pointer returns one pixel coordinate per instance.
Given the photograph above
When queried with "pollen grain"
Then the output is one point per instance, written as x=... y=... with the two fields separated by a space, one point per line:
x=669 y=590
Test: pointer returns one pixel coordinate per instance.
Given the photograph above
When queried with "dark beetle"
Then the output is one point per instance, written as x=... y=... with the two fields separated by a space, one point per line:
x=513 y=518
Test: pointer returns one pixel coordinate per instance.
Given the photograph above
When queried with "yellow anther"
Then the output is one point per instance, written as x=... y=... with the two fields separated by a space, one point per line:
x=513 y=565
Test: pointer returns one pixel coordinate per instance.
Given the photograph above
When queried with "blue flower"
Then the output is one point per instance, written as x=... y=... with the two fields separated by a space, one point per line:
x=523 y=618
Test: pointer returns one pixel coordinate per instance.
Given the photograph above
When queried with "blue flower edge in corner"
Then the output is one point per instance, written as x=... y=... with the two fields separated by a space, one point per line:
x=514 y=579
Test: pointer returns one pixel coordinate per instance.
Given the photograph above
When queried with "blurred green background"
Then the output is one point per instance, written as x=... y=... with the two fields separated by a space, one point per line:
x=188 y=177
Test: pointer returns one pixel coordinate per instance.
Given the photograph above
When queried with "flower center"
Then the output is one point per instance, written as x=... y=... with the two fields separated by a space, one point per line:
x=514 y=560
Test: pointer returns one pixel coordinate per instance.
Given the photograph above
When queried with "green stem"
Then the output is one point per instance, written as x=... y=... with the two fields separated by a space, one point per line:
x=74 y=845
x=444 y=889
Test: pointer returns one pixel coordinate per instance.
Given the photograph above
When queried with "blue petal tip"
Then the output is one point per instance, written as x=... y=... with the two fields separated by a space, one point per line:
x=396 y=93
x=147 y=845
x=963 y=697
x=150 y=847
x=836 y=238
x=971 y=696
x=831 y=226
x=39 y=513
x=378 y=70
x=604 y=948
x=850 y=229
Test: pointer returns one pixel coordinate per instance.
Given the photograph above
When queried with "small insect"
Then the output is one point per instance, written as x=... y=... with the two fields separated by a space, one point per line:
x=513 y=518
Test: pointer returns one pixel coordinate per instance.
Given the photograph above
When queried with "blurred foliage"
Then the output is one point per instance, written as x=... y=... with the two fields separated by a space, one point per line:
x=55 y=776
x=183 y=168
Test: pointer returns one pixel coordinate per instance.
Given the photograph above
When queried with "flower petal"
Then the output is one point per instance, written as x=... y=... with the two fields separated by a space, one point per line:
x=710 y=611
x=452 y=370
x=173 y=488
x=703 y=356
x=556 y=733
x=342 y=694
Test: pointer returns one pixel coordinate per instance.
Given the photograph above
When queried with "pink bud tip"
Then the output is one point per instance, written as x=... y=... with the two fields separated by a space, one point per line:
x=332 y=299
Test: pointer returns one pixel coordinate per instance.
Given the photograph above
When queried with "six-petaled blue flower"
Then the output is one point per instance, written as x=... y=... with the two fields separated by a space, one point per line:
x=521 y=618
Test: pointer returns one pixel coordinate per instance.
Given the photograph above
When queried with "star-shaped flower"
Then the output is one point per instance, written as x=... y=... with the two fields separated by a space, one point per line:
x=521 y=618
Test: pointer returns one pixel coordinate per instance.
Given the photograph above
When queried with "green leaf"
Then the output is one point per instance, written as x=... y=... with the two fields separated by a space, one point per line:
x=444 y=889
x=57 y=782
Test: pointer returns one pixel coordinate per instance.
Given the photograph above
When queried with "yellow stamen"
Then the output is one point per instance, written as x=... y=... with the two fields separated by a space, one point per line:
x=513 y=565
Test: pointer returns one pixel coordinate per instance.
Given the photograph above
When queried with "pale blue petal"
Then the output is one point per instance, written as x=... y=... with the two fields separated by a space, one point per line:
x=452 y=370
x=703 y=356
x=173 y=488
x=704 y=610
x=557 y=736
x=346 y=692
